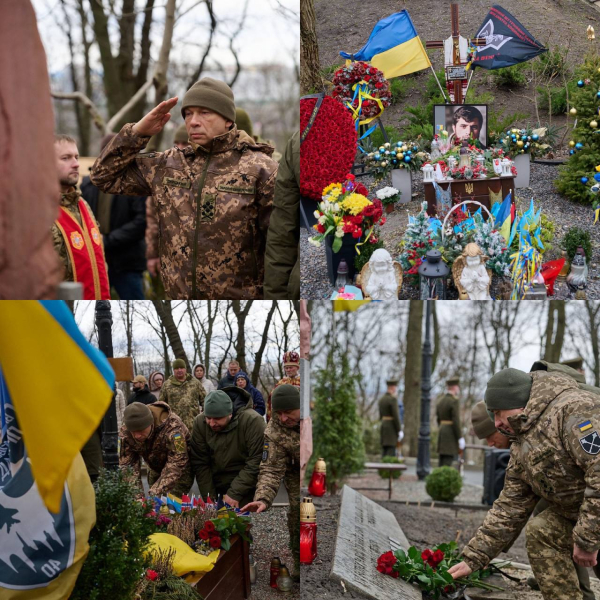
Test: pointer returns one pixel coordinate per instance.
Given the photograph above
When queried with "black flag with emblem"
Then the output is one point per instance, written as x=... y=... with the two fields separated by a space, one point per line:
x=591 y=443
x=507 y=42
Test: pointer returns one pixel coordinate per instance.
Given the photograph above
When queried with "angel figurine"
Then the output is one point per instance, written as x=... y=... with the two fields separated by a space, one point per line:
x=381 y=277
x=470 y=275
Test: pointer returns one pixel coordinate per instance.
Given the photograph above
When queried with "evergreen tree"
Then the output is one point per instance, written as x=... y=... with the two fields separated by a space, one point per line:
x=415 y=244
x=337 y=435
x=584 y=158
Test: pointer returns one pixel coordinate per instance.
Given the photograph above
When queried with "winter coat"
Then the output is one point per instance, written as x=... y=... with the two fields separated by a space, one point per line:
x=239 y=397
x=543 y=365
x=144 y=395
x=448 y=418
x=124 y=245
x=207 y=384
x=226 y=381
x=390 y=420
x=153 y=389
x=257 y=397
x=555 y=456
x=227 y=461
x=213 y=208
x=186 y=397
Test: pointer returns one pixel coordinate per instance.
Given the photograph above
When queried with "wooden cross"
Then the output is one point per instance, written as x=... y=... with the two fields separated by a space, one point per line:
x=456 y=75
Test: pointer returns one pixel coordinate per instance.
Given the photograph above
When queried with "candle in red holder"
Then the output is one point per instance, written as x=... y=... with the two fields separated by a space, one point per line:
x=308 y=531
x=275 y=568
x=318 y=481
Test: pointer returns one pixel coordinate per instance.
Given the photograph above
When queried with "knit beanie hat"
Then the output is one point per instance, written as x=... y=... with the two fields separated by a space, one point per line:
x=243 y=121
x=483 y=426
x=181 y=135
x=507 y=389
x=213 y=94
x=137 y=417
x=285 y=397
x=217 y=404
x=179 y=363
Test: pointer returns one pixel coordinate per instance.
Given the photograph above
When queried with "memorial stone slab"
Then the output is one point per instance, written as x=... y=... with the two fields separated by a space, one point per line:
x=365 y=531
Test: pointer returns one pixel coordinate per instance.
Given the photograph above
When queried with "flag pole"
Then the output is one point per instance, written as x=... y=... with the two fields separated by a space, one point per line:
x=468 y=84
x=438 y=82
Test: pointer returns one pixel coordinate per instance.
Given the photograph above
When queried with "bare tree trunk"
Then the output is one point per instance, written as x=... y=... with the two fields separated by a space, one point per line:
x=213 y=27
x=225 y=355
x=412 y=376
x=165 y=315
x=241 y=313
x=310 y=79
x=593 y=311
x=555 y=331
x=263 y=344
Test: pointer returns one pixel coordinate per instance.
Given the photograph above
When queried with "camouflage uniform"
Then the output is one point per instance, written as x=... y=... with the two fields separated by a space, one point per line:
x=295 y=381
x=555 y=456
x=166 y=452
x=390 y=424
x=448 y=418
x=213 y=209
x=281 y=461
x=186 y=398
x=69 y=200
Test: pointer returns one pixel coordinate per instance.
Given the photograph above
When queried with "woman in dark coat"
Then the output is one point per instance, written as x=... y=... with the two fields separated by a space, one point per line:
x=243 y=381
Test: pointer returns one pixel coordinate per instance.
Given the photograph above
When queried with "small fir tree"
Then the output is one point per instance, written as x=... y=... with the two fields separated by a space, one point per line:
x=337 y=431
x=583 y=161
x=415 y=244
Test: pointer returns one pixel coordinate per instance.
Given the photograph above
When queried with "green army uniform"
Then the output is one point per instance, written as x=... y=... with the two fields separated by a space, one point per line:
x=213 y=203
x=165 y=451
x=282 y=258
x=390 y=424
x=92 y=455
x=555 y=456
x=186 y=398
x=543 y=365
x=227 y=461
x=448 y=418
x=244 y=123
x=281 y=462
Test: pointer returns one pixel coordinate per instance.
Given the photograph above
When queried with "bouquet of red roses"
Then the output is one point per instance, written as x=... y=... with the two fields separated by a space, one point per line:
x=429 y=569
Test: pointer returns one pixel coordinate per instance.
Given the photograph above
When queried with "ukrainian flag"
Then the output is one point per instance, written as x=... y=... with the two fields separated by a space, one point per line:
x=394 y=47
x=503 y=218
x=348 y=305
x=60 y=386
x=585 y=426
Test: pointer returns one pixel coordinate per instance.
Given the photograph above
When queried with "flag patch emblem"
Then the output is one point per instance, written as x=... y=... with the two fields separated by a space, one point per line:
x=585 y=426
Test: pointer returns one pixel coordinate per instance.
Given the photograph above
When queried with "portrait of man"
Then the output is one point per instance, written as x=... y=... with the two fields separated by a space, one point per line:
x=462 y=121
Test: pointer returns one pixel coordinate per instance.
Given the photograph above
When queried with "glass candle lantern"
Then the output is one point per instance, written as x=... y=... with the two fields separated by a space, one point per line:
x=318 y=481
x=284 y=581
x=308 y=531
x=275 y=568
x=433 y=272
x=342 y=275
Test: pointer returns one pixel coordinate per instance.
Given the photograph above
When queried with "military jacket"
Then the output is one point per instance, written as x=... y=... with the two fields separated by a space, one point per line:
x=448 y=409
x=543 y=365
x=555 y=456
x=213 y=207
x=390 y=428
x=186 y=398
x=281 y=456
x=165 y=451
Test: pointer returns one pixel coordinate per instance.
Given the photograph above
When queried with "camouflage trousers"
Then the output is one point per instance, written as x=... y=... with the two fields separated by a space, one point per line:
x=549 y=541
x=292 y=485
x=181 y=487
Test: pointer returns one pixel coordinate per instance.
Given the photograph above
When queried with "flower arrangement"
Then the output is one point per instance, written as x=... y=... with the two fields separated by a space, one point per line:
x=429 y=569
x=330 y=147
x=216 y=533
x=388 y=195
x=524 y=141
x=345 y=208
x=417 y=240
x=372 y=81
x=401 y=155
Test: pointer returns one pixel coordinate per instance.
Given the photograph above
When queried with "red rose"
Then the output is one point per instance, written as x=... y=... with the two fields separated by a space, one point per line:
x=361 y=189
x=426 y=554
x=209 y=526
x=151 y=575
x=215 y=542
x=367 y=78
x=438 y=557
x=203 y=534
x=320 y=228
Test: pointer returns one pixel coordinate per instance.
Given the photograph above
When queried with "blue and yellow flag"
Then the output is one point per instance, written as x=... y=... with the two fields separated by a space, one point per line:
x=503 y=218
x=394 y=47
x=60 y=386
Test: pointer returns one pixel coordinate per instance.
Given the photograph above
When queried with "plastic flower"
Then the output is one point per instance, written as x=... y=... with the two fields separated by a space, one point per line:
x=151 y=575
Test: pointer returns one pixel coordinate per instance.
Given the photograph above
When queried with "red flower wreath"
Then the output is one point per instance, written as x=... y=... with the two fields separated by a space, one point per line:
x=379 y=87
x=327 y=154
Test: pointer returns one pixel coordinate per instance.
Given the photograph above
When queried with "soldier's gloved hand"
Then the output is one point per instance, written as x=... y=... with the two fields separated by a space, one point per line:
x=583 y=558
x=229 y=500
x=462 y=569
x=461 y=443
x=256 y=507
x=153 y=265
x=156 y=119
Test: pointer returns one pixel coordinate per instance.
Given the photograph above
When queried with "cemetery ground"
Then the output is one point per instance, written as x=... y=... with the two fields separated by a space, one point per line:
x=424 y=527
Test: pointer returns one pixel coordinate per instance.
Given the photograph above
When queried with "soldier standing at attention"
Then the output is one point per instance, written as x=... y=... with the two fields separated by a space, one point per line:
x=450 y=439
x=156 y=434
x=556 y=457
x=390 y=419
x=213 y=197
x=183 y=393
x=281 y=462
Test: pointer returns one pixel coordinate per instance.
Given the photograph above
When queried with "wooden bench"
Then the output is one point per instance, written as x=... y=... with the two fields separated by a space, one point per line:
x=389 y=467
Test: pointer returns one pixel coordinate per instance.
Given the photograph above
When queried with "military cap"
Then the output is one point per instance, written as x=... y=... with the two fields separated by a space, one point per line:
x=212 y=94
x=507 y=389
x=285 y=397
x=483 y=426
x=454 y=380
x=179 y=363
x=217 y=404
x=390 y=382
x=137 y=416
x=181 y=135
x=574 y=363
x=243 y=121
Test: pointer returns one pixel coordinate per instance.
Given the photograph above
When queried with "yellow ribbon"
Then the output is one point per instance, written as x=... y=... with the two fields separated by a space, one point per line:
x=364 y=96
x=361 y=243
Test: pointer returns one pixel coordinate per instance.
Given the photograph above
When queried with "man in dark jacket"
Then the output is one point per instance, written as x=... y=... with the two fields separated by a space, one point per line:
x=122 y=222
x=243 y=381
x=450 y=440
x=233 y=369
x=390 y=419
x=226 y=450
x=141 y=392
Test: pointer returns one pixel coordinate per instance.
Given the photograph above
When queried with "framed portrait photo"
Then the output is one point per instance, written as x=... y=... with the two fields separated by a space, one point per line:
x=462 y=121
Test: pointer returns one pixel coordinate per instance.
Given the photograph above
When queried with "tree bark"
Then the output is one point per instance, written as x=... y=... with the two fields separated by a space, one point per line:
x=555 y=330
x=310 y=79
x=241 y=313
x=263 y=344
x=412 y=376
x=164 y=311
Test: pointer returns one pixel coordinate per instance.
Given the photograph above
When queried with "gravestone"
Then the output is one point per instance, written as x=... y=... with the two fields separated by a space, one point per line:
x=365 y=531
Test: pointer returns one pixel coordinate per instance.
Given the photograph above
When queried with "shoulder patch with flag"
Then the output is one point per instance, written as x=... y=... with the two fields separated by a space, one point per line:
x=178 y=442
x=584 y=426
x=265 y=453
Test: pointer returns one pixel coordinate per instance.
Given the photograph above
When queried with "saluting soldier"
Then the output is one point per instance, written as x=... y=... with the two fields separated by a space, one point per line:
x=555 y=456
x=450 y=440
x=156 y=434
x=281 y=462
x=390 y=419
